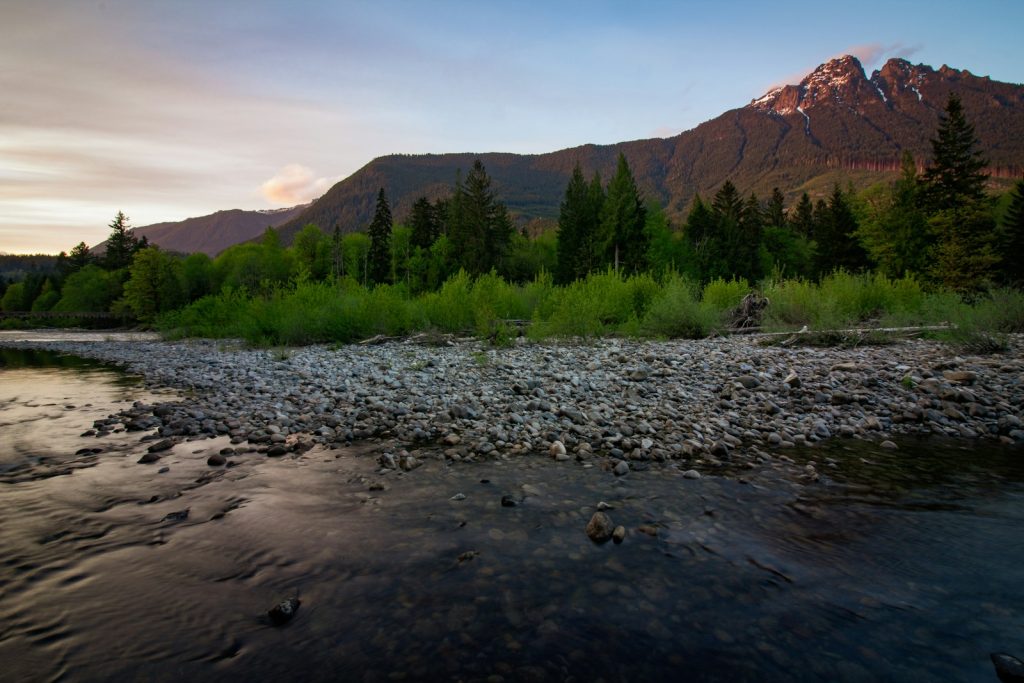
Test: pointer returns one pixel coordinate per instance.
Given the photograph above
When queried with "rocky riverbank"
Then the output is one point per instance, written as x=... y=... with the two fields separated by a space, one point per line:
x=612 y=403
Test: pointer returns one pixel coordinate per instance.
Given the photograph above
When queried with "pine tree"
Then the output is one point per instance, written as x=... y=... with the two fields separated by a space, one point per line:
x=425 y=223
x=724 y=250
x=775 y=213
x=479 y=225
x=1012 y=238
x=573 y=225
x=837 y=244
x=379 y=257
x=751 y=235
x=121 y=244
x=622 y=222
x=896 y=235
x=802 y=218
x=591 y=254
x=955 y=178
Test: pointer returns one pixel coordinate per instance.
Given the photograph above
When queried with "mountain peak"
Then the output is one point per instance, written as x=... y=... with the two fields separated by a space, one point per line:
x=841 y=79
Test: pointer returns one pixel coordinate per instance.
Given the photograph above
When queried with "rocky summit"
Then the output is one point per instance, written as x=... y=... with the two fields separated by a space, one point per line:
x=613 y=403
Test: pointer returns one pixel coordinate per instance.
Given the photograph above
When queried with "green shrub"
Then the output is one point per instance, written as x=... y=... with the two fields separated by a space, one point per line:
x=676 y=313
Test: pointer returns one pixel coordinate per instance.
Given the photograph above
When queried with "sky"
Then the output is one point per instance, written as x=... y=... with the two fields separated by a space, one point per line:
x=167 y=109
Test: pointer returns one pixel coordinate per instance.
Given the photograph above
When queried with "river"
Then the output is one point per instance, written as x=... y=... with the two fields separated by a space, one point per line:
x=900 y=565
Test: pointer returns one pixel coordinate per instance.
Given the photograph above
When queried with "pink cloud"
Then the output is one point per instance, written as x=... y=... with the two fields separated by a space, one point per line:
x=295 y=184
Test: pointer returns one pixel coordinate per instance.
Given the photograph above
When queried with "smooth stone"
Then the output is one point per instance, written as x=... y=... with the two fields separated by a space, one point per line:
x=216 y=460
x=621 y=468
x=599 y=528
x=148 y=458
x=888 y=445
x=619 y=535
x=691 y=474
x=163 y=445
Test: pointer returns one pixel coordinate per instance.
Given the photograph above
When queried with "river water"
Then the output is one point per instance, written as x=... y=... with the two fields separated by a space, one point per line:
x=896 y=566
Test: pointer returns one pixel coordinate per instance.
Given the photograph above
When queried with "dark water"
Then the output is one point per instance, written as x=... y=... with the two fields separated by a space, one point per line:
x=905 y=566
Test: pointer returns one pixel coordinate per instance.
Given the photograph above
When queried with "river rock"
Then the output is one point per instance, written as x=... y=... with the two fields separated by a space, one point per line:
x=216 y=460
x=599 y=528
x=162 y=445
x=281 y=613
x=621 y=468
x=148 y=458
x=619 y=535
x=1009 y=669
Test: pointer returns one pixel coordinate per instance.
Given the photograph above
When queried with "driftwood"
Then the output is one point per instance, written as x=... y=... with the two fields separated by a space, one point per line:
x=747 y=316
x=794 y=337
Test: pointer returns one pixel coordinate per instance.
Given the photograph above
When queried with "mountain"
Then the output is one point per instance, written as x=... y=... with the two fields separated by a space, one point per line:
x=211 y=234
x=837 y=124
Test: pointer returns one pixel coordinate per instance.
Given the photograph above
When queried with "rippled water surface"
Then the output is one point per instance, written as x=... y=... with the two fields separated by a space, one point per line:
x=899 y=566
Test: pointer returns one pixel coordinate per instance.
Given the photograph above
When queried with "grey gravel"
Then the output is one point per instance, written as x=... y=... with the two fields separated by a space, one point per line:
x=695 y=405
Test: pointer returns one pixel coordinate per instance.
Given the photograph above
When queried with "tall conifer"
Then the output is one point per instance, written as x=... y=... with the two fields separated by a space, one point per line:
x=622 y=221
x=379 y=257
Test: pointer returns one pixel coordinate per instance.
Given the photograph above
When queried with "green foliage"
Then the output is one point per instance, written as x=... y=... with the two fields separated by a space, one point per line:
x=955 y=179
x=835 y=234
x=379 y=256
x=574 y=226
x=196 y=276
x=478 y=223
x=1011 y=238
x=154 y=284
x=965 y=260
x=895 y=231
x=722 y=295
x=312 y=252
x=14 y=298
x=90 y=289
x=47 y=299
x=253 y=267
x=623 y=217
x=677 y=313
x=425 y=223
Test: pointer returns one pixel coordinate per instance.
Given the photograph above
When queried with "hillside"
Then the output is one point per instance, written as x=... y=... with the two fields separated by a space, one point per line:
x=211 y=234
x=838 y=119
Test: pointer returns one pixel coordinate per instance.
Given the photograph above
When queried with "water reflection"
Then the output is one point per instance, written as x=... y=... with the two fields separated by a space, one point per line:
x=855 y=578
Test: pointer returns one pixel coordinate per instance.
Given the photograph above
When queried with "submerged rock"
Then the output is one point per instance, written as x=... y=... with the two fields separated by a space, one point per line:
x=281 y=613
x=1009 y=669
x=600 y=527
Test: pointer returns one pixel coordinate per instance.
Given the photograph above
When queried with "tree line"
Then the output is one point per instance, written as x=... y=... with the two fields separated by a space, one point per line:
x=939 y=226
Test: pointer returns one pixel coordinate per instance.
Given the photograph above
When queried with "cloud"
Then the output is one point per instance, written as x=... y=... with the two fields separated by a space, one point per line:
x=871 y=54
x=295 y=184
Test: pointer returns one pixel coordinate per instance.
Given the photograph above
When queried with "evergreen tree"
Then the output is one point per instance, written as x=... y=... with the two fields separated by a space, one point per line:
x=775 y=213
x=622 y=222
x=725 y=253
x=379 y=256
x=698 y=232
x=955 y=178
x=965 y=260
x=837 y=244
x=727 y=202
x=573 y=224
x=1012 y=238
x=121 y=244
x=425 y=223
x=591 y=253
x=751 y=228
x=802 y=217
x=896 y=234
x=480 y=226
x=337 y=256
